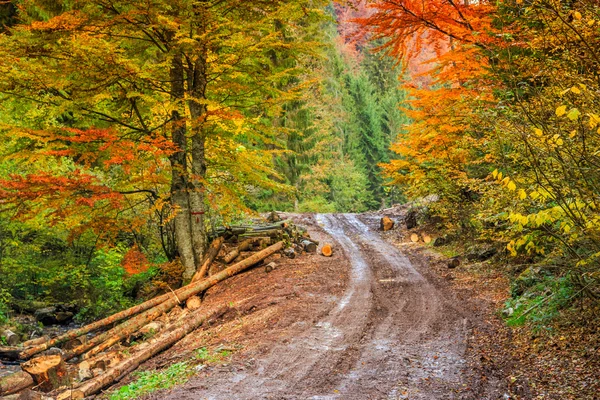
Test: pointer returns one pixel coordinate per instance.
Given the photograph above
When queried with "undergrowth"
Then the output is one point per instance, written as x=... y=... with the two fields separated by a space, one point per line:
x=177 y=374
x=540 y=302
x=151 y=381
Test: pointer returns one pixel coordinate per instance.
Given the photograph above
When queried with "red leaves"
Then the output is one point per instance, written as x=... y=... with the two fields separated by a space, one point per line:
x=55 y=193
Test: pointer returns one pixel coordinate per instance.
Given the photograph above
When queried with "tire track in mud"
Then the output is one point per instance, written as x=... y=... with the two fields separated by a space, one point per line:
x=391 y=335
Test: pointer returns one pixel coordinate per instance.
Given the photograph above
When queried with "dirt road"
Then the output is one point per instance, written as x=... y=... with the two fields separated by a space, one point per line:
x=391 y=335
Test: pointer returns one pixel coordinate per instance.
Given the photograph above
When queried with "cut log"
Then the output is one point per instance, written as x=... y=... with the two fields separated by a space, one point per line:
x=426 y=238
x=454 y=262
x=386 y=224
x=309 y=246
x=125 y=329
x=114 y=373
x=264 y=242
x=410 y=219
x=193 y=303
x=10 y=353
x=273 y=217
x=211 y=253
x=414 y=238
x=27 y=353
x=289 y=253
x=327 y=250
x=36 y=341
x=243 y=246
x=48 y=372
x=15 y=383
x=12 y=339
x=270 y=267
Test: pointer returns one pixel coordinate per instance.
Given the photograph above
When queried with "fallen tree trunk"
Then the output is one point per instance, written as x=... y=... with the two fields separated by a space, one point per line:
x=10 y=353
x=48 y=372
x=115 y=335
x=15 y=383
x=28 y=352
x=211 y=253
x=244 y=246
x=115 y=373
x=36 y=341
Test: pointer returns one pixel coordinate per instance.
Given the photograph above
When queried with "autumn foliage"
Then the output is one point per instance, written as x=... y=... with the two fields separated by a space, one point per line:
x=504 y=122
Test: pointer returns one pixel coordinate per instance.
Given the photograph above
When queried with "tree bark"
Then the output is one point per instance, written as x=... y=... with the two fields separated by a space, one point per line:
x=15 y=383
x=211 y=254
x=179 y=182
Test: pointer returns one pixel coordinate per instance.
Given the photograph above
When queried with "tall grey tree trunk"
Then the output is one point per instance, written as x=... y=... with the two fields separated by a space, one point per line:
x=179 y=175
x=197 y=82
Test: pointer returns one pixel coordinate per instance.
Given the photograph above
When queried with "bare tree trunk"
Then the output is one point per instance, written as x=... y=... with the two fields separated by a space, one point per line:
x=179 y=181
x=197 y=82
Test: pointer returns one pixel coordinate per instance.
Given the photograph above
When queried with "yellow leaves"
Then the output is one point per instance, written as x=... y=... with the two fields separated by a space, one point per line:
x=506 y=181
x=594 y=120
x=557 y=140
x=538 y=132
x=534 y=195
x=522 y=194
x=573 y=114
x=577 y=15
x=575 y=90
x=560 y=111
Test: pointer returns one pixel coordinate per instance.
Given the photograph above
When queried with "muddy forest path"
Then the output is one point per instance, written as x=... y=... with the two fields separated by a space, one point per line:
x=391 y=334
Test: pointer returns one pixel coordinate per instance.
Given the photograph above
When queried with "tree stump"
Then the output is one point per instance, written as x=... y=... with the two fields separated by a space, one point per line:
x=327 y=250
x=49 y=372
x=386 y=224
x=414 y=238
x=426 y=238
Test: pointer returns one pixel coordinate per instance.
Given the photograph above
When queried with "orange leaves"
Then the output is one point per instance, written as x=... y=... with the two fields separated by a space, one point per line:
x=134 y=261
x=409 y=25
x=66 y=21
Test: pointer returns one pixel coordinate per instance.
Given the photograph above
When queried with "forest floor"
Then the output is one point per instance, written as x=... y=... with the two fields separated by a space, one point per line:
x=371 y=322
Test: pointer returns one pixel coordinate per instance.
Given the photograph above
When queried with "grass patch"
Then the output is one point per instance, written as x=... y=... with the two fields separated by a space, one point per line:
x=177 y=374
x=151 y=381
x=540 y=303
x=205 y=356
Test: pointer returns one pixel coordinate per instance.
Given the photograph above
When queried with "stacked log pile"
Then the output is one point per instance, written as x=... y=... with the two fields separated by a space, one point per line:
x=93 y=351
